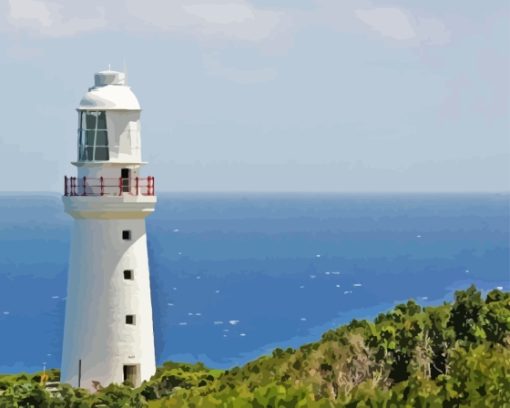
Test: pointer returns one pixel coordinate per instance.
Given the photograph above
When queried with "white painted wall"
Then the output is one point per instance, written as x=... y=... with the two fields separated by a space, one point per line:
x=99 y=298
x=124 y=135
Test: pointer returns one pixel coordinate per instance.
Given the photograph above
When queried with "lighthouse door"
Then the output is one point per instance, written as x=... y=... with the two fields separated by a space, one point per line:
x=131 y=375
x=125 y=175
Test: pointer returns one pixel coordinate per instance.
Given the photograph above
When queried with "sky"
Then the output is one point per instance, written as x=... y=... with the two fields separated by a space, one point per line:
x=267 y=95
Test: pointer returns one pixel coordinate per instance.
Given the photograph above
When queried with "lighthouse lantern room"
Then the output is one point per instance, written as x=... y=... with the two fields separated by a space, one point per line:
x=108 y=334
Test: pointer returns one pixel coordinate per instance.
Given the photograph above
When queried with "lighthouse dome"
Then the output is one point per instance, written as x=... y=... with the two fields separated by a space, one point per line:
x=109 y=92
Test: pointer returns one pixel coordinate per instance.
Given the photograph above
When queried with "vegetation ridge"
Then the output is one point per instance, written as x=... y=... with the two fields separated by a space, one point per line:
x=453 y=355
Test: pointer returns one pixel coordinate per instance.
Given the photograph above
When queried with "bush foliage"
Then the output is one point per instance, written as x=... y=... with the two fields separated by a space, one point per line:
x=453 y=355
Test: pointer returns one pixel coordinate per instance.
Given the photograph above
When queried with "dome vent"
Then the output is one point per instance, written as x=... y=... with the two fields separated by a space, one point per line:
x=104 y=78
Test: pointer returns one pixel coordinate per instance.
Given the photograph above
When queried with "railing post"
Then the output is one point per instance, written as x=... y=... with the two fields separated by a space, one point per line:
x=102 y=185
x=137 y=185
x=152 y=186
x=65 y=185
x=120 y=186
x=148 y=185
x=72 y=186
x=84 y=186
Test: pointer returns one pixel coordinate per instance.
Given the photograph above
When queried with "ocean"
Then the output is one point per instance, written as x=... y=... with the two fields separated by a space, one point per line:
x=235 y=275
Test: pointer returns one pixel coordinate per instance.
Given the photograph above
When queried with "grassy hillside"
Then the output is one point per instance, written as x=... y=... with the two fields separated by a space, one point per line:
x=451 y=355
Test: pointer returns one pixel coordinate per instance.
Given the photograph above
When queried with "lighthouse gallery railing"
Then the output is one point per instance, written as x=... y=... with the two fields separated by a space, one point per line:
x=102 y=186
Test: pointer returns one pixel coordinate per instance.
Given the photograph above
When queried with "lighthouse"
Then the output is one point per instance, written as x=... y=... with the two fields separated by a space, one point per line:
x=108 y=333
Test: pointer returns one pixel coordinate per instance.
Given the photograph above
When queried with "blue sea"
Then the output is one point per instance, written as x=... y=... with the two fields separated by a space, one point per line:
x=235 y=275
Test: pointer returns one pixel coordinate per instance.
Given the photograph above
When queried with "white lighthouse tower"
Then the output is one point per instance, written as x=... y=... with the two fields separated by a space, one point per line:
x=108 y=335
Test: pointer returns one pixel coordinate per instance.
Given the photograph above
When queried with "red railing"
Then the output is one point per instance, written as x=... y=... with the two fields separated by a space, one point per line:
x=102 y=186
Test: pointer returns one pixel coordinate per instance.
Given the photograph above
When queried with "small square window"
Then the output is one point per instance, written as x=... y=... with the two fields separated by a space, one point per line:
x=128 y=274
x=130 y=319
x=126 y=235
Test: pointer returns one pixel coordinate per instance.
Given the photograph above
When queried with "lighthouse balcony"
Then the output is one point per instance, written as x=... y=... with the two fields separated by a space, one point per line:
x=109 y=198
x=110 y=187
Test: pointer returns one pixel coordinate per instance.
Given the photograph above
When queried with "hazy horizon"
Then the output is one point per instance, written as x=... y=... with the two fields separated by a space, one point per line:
x=220 y=192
